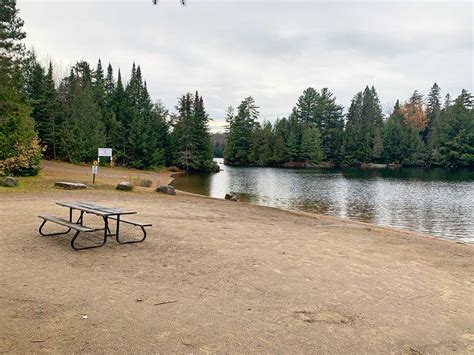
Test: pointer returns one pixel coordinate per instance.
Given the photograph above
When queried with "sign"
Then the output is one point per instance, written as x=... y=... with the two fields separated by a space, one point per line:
x=95 y=163
x=104 y=152
x=94 y=169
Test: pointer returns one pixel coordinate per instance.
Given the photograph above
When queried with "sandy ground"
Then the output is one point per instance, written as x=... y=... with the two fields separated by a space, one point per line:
x=219 y=276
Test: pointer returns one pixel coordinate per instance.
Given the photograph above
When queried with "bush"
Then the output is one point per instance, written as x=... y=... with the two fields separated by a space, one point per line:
x=25 y=162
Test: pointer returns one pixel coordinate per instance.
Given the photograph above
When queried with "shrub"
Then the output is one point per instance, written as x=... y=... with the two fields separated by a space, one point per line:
x=25 y=162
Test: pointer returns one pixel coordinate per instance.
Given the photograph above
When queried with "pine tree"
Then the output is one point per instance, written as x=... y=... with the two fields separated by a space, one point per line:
x=433 y=110
x=191 y=135
x=120 y=109
x=293 y=141
x=50 y=113
x=306 y=107
x=311 y=151
x=20 y=152
x=280 y=133
x=401 y=141
x=240 y=133
x=83 y=130
x=354 y=132
x=456 y=136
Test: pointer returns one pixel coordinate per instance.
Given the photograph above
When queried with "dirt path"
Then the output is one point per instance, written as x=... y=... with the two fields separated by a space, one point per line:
x=217 y=276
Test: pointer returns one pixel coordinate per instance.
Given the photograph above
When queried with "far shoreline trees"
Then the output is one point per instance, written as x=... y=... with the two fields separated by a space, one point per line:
x=418 y=132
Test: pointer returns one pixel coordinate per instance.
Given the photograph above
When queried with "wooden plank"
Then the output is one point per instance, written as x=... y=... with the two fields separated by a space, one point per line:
x=81 y=208
x=114 y=210
x=68 y=224
x=89 y=208
x=136 y=223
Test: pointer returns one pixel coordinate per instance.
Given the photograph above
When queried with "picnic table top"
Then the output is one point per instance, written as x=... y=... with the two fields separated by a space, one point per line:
x=94 y=208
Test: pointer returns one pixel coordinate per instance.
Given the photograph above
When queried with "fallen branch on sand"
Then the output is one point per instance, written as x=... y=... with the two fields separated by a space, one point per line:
x=166 y=302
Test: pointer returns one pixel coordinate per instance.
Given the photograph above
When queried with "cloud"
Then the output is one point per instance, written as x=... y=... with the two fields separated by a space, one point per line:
x=271 y=50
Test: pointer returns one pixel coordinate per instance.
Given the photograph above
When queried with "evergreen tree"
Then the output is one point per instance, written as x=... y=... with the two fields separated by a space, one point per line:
x=433 y=110
x=280 y=133
x=239 y=136
x=402 y=142
x=456 y=137
x=20 y=152
x=49 y=112
x=311 y=151
x=321 y=110
x=293 y=141
x=83 y=130
x=120 y=109
x=192 y=136
x=354 y=135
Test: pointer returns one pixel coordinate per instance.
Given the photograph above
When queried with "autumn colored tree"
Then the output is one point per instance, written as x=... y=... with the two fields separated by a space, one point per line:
x=414 y=112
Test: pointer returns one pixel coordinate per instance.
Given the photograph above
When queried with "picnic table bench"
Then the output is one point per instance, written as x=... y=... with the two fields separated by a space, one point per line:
x=107 y=213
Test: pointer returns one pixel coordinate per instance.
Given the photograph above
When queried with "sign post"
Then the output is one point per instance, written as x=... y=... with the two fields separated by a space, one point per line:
x=101 y=152
x=95 y=168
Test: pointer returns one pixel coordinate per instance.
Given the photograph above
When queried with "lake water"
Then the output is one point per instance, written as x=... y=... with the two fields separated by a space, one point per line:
x=437 y=201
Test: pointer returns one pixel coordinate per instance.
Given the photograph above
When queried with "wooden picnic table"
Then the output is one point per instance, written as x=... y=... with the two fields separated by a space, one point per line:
x=105 y=212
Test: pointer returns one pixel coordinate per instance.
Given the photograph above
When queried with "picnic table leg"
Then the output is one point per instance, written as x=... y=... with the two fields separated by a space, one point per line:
x=130 y=241
x=117 y=229
x=106 y=228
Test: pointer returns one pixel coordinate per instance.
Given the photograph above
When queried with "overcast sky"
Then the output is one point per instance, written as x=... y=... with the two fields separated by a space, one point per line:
x=271 y=50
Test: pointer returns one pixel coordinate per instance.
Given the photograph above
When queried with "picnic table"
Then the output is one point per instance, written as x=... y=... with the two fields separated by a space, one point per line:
x=105 y=212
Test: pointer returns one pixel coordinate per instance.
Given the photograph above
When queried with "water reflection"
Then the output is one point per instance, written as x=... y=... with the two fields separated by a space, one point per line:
x=437 y=201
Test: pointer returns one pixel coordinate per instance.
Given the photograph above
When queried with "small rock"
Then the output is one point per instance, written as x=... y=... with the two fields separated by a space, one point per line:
x=139 y=300
x=70 y=185
x=125 y=186
x=231 y=197
x=84 y=317
x=166 y=189
x=9 y=182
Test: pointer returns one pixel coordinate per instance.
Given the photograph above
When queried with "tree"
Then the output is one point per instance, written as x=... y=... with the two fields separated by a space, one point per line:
x=433 y=110
x=362 y=141
x=311 y=151
x=49 y=114
x=414 y=113
x=239 y=135
x=280 y=133
x=456 y=137
x=401 y=141
x=20 y=152
x=321 y=110
x=191 y=135
x=83 y=130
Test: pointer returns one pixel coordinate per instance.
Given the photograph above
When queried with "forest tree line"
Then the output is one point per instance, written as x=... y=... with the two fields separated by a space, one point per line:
x=92 y=107
x=418 y=132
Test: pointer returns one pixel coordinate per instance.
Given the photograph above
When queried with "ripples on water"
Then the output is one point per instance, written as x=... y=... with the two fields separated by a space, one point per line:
x=437 y=201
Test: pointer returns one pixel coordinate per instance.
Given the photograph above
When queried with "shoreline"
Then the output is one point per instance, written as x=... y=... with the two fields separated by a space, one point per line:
x=336 y=218
x=108 y=177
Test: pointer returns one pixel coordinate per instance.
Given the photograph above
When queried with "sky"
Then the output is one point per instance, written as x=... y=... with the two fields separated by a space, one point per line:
x=271 y=50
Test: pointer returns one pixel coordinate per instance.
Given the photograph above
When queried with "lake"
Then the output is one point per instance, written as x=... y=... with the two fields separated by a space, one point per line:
x=437 y=201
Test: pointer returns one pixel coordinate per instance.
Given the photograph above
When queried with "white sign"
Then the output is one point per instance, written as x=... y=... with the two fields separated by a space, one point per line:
x=105 y=152
x=94 y=169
